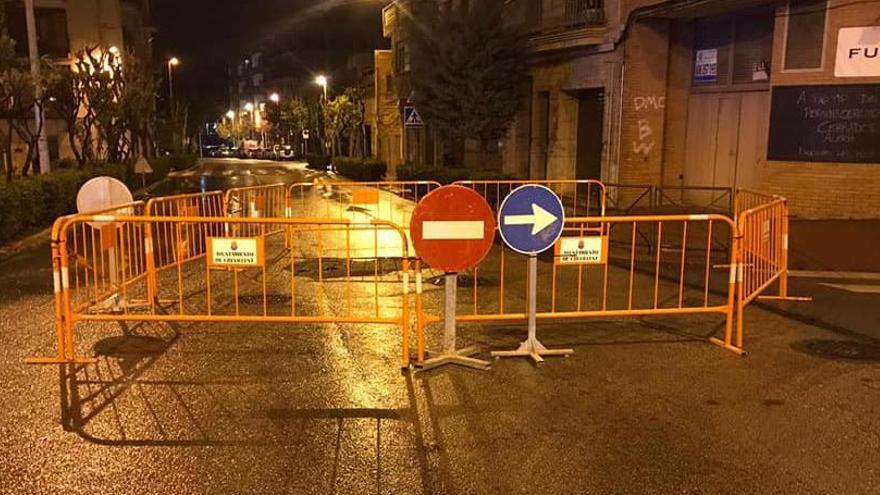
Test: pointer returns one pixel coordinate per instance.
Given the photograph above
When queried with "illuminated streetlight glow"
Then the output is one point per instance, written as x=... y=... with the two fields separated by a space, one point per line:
x=172 y=62
x=275 y=97
x=249 y=106
x=321 y=80
x=230 y=114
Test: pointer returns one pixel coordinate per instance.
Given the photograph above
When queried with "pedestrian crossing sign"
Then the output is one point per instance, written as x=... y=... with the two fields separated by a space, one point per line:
x=411 y=118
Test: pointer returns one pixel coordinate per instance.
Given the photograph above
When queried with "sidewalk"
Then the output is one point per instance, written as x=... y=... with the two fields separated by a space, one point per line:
x=837 y=263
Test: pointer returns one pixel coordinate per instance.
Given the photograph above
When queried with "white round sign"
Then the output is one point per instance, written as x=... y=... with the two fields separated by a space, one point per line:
x=103 y=193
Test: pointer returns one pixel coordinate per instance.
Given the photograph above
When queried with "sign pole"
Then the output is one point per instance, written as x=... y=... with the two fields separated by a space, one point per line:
x=531 y=220
x=532 y=347
x=448 y=353
x=449 y=313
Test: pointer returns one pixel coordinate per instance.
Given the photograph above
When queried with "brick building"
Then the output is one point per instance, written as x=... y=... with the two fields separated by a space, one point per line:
x=706 y=93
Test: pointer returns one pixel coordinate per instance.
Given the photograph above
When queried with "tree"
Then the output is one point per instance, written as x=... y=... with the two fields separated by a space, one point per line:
x=66 y=101
x=17 y=101
x=467 y=69
x=138 y=104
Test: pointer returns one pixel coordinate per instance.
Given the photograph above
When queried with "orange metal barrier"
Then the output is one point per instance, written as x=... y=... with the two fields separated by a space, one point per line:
x=747 y=199
x=627 y=279
x=192 y=239
x=205 y=204
x=95 y=260
x=762 y=222
x=332 y=271
x=266 y=201
x=392 y=201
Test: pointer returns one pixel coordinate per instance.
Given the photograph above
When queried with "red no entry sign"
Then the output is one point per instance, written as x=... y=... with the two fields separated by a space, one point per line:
x=452 y=228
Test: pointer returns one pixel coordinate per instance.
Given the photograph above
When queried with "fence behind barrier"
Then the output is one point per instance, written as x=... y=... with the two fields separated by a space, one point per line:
x=581 y=197
x=392 y=201
x=334 y=271
x=625 y=279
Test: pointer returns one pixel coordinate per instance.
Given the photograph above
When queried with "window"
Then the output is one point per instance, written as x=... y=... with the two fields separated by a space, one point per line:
x=733 y=49
x=805 y=34
x=712 y=36
x=752 y=47
x=51 y=24
x=401 y=57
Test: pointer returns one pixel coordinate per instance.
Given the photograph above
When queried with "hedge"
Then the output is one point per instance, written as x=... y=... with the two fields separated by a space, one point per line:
x=363 y=170
x=33 y=202
x=445 y=175
x=318 y=162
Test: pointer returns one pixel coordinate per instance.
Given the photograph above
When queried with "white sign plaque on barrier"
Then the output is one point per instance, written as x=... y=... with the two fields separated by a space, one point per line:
x=240 y=252
x=589 y=250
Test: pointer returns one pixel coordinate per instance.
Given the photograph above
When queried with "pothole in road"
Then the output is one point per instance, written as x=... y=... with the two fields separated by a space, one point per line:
x=838 y=349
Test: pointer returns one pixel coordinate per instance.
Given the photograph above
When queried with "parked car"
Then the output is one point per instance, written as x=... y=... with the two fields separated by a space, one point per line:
x=286 y=152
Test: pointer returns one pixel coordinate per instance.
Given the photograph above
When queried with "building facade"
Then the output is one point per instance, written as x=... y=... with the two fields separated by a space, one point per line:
x=65 y=27
x=781 y=96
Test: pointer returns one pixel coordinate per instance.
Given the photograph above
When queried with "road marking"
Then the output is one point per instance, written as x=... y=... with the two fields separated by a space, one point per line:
x=856 y=288
x=447 y=230
x=833 y=274
x=540 y=219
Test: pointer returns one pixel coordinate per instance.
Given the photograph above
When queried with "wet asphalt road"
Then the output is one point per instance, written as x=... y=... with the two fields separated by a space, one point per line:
x=644 y=406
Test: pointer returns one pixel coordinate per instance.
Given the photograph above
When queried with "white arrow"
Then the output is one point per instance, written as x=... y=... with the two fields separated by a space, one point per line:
x=540 y=219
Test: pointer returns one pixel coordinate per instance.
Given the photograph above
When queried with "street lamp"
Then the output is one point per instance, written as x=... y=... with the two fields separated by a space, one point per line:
x=249 y=107
x=321 y=80
x=275 y=97
x=172 y=62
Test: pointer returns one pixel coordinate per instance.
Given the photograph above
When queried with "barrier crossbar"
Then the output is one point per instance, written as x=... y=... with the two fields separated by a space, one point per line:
x=325 y=271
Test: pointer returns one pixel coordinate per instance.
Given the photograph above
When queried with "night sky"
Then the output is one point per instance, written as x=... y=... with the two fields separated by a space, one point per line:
x=208 y=35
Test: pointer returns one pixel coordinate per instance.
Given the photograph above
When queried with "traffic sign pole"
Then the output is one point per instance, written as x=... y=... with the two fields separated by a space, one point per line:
x=532 y=347
x=531 y=219
x=449 y=354
x=452 y=229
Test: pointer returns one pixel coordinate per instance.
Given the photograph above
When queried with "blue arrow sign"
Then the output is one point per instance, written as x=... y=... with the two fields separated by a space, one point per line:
x=531 y=219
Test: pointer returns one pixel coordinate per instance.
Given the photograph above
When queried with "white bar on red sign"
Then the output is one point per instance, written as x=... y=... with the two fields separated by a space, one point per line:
x=438 y=230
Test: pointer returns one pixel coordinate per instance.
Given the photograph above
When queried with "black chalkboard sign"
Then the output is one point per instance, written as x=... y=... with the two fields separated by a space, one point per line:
x=838 y=123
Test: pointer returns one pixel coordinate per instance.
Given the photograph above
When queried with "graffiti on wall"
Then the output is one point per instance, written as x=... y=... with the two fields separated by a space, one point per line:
x=644 y=106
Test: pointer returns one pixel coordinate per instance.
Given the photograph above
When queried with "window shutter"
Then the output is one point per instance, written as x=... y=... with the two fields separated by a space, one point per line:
x=805 y=37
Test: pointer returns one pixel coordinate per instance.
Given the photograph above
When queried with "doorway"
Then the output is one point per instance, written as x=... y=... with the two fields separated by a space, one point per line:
x=590 y=128
x=726 y=139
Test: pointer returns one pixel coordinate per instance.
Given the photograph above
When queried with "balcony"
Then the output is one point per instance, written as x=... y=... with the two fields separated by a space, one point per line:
x=389 y=18
x=558 y=25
